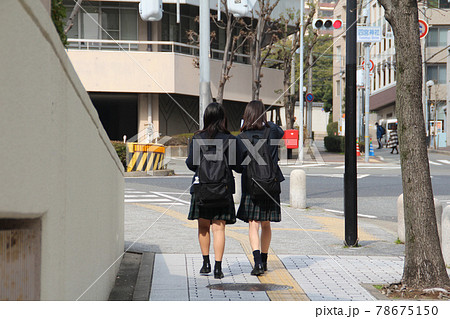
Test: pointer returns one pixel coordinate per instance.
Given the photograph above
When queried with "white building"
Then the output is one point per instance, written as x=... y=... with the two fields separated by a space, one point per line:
x=383 y=78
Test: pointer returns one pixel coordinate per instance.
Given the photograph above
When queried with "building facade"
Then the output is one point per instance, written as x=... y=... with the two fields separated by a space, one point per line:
x=142 y=76
x=383 y=77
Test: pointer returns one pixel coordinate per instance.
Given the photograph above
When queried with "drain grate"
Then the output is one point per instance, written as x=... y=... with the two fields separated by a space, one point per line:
x=249 y=287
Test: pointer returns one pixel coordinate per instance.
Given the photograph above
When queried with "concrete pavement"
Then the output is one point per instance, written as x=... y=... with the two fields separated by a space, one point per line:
x=307 y=259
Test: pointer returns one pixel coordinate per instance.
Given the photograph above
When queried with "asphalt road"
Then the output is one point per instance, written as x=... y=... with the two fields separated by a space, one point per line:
x=379 y=185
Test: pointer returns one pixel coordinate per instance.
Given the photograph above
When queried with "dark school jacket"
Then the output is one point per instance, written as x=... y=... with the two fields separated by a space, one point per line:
x=223 y=136
x=276 y=133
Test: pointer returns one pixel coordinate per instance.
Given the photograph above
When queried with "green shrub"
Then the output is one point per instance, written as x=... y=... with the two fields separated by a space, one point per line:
x=334 y=143
x=121 y=150
x=332 y=129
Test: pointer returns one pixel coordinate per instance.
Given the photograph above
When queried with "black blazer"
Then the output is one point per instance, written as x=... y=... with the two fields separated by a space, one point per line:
x=276 y=133
x=237 y=161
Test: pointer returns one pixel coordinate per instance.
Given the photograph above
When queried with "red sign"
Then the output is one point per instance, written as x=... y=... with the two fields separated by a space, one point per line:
x=423 y=28
x=372 y=65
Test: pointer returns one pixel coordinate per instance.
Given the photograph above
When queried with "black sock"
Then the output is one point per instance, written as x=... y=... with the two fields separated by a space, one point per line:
x=205 y=259
x=218 y=265
x=257 y=257
x=264 y=257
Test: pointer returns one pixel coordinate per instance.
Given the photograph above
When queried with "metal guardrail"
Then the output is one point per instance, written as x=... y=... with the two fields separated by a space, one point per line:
x=152 y=46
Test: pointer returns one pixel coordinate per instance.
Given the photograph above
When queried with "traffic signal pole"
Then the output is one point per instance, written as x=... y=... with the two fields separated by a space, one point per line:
x=300 y=85
x=350 y=174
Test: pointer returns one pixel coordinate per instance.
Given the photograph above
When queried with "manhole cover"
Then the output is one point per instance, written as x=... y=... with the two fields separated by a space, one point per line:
x=249 y=287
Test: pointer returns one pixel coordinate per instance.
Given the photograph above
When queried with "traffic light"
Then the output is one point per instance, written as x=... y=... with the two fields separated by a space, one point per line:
x=327 y=24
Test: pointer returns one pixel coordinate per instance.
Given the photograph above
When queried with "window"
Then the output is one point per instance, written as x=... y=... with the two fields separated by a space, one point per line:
x=103 y=20
x=338 y=88
x=437 y=73
x=339 y=55
x=437 y=37
x=441 y=4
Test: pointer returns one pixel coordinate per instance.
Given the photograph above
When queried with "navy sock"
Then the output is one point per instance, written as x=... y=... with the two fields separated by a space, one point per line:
x=257 y=257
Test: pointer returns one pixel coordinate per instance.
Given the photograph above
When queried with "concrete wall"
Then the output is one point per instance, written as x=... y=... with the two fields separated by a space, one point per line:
x=56 y=163
x=165 y=72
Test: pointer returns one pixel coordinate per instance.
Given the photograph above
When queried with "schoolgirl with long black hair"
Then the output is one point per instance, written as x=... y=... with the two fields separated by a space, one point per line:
x=213 y=208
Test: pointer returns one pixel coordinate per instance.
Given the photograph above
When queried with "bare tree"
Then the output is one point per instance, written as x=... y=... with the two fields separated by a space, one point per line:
x=69 y=23
x=261 y=37
x=285 y=50
x=424 y=265
x=233 y=44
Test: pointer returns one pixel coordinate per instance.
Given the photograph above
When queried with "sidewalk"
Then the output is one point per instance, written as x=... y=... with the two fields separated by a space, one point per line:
x=307 y=260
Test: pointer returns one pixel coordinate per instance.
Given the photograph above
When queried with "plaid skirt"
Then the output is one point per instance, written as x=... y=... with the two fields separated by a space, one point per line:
x=260 y=210
x=226 y=213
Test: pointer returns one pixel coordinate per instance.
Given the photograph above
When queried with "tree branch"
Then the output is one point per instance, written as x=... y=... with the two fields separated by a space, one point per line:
x=69 y=23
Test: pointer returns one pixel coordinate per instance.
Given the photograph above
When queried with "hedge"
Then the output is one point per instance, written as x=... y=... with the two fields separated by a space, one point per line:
x=121 y=150
x=334 y=143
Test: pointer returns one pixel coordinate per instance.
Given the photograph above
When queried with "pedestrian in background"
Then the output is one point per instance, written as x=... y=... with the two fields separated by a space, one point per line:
x=219 y=211
x=393 y=139
x=380 y=132
x=259 y=211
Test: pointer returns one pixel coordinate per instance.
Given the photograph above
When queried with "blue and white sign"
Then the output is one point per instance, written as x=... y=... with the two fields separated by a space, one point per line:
x=368 y=34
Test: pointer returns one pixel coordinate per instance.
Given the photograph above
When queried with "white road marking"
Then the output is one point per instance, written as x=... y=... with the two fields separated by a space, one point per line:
x=342 y=213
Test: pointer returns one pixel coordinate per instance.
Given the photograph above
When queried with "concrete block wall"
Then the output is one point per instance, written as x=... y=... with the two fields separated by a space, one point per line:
x=57 y=164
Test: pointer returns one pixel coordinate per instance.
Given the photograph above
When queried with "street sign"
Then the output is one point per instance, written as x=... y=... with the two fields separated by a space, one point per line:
x=372 y=65
x=368 y=34
x=309 y=97
x=423 y=28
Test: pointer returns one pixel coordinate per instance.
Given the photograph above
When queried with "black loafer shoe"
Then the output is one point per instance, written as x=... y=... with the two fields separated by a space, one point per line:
x=258 y=270
x=206 y=269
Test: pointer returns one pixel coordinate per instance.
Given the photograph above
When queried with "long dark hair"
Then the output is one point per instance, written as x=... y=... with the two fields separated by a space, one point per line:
x=214 y=120
x=254 y=116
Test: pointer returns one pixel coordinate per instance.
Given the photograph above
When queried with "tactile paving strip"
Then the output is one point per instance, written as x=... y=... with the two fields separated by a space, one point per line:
x=325 y=278
x=236 y=269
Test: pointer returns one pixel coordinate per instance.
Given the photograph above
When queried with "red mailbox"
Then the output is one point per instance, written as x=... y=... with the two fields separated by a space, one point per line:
x=291 y=139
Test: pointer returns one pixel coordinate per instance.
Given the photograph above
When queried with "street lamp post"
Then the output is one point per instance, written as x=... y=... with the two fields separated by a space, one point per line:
x=205 y=96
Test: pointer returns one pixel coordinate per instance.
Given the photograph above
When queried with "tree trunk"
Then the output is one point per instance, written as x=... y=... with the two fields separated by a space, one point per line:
x=424 y=265
x=225 y=61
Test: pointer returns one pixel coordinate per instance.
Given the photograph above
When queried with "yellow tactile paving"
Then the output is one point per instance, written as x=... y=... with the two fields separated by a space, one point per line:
x=277 y=273
x=335 y=226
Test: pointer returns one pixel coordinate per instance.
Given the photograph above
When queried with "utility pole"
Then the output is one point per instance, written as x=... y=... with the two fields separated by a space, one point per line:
x=350 y=174
x=367 y=89
x=309 y=104
x=300 y=86
x=205 y=96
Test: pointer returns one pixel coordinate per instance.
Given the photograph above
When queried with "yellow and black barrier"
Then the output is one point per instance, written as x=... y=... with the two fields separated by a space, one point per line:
x=145 y=157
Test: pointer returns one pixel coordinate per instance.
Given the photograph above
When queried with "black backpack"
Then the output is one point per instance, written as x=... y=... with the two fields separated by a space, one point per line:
x=212 y=189
x=261 y=179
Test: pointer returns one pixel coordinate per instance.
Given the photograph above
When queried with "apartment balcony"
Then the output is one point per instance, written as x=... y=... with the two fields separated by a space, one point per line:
x=162 y=67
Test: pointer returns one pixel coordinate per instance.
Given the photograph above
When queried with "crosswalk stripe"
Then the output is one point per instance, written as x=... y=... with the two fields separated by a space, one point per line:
x=434 y=163
x=444 y=161
x=173 y=198
x=134 y=196
x=138 y=200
